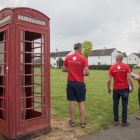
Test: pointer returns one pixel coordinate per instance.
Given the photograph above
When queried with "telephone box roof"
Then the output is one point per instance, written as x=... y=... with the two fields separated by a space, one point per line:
x=23 y=8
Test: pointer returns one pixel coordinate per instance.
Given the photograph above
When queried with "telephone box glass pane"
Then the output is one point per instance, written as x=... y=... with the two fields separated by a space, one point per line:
x=22 y=115
x=43 y=110
x=22 y=78
x=43 y=89
x=21 y=69
x=21 y=46
x=21 y=35
x=43 y=51
x=1 y=58
x=1 y=47
x=22 y=92
x=43 y=79
x=43 y=100
x=22 y=103
x=1 y=69
x=43 y=59
x=43 y=71
x=1 y=36
x=43 y=38
x=21 y=56
x=1 y=80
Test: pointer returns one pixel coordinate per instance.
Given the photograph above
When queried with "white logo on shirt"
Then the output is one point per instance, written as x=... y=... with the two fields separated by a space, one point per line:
x=74 y=58
x=119 y=67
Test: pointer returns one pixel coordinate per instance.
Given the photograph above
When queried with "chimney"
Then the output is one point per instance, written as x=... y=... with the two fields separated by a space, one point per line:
x=104 y=48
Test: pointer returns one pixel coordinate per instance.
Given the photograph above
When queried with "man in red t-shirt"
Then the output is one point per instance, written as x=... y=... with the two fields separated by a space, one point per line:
x=121 y=76
x=77 y=67
x=138 y=79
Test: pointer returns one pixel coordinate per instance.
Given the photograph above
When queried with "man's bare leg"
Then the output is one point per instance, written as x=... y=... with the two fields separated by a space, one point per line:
x=71 y=110
x=82 y=111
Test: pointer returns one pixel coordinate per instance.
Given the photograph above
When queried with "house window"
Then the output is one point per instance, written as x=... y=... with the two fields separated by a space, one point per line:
x=114 y=57
x=54 y=57
x=135 y=58
x=129 y=59
x=54 y=63
x=99 y=57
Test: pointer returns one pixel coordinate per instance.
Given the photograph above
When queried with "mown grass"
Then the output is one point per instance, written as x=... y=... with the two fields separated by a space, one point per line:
x=98 y=104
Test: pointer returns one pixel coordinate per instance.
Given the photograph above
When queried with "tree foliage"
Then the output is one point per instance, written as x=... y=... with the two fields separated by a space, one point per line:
x=60 y=62
x=38 y=60
x=125 y=55
x=87 y=47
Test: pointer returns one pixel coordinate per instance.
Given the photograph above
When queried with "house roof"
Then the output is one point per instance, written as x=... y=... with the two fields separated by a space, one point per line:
x=102 y=52
x=137 y=54
x=60 y=54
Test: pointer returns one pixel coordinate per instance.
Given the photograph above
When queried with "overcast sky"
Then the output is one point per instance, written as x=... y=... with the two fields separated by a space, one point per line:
x=106 y=23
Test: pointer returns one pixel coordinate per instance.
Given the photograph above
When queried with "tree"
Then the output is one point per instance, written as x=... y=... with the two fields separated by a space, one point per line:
x=38 y=60
x=60 y=62
x=87 y=47
x=125 y=55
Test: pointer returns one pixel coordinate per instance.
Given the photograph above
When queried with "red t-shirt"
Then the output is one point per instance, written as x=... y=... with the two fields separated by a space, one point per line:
x=75 y=64
x=119 y=73
x=139 y=80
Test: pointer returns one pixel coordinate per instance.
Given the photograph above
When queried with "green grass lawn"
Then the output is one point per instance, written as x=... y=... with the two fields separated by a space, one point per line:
x=98 y=104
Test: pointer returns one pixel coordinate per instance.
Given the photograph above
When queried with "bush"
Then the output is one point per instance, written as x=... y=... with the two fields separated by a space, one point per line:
x=105 y=67
x=99 y=67
x=131 y=65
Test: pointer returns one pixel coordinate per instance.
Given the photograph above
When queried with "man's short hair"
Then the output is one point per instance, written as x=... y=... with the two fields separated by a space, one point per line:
x=77 y=46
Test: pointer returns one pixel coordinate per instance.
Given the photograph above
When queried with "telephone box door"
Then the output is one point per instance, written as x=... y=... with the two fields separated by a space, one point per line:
x=4 y=79
x=32 y=72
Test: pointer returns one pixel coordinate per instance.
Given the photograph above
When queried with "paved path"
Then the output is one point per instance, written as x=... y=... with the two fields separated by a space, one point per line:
x=130 y=132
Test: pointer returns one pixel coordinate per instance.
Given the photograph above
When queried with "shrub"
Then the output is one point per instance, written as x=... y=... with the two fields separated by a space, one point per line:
x=99 y=67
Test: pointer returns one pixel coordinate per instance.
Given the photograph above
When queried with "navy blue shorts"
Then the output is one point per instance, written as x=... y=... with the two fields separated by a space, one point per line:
x=76 y=91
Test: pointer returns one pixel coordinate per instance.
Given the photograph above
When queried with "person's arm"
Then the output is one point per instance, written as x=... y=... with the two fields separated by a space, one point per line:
x=86 y=71
x=136 y=78
x=64 y=69
x=109 y=83
x=130 y=82
x=136 y=66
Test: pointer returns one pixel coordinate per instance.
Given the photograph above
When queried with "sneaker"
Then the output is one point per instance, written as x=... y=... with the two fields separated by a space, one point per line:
x=138 y=117
x=116 y=123
x=125 y=124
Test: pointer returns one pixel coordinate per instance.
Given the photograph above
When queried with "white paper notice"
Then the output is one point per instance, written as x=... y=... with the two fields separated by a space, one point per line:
x=130 y=87
x=133 y=74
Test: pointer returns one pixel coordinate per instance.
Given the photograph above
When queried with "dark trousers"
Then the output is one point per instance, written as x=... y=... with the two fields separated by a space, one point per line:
x=124 y=94
x=139 y=96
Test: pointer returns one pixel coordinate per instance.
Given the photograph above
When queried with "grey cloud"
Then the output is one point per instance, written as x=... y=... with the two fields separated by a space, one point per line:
x=103 y=22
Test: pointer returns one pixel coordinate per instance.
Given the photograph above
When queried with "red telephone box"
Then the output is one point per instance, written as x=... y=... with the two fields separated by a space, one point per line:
x=24 y=73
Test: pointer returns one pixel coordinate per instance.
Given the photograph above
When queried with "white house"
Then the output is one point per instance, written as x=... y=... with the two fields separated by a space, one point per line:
x=54 y=56
x=125 y=60
x=102 y=57
x=134 y=58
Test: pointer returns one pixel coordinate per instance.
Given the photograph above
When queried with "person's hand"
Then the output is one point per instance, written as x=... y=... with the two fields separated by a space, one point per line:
x=130 y=91
x=136 y=66
x=132 y=77
x=109 y=90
